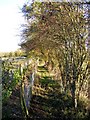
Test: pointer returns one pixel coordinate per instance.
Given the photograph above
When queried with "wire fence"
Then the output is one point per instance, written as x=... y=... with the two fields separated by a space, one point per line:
x=17 y=74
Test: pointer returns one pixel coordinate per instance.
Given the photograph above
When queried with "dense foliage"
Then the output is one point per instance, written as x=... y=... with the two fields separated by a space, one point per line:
x=60 y=28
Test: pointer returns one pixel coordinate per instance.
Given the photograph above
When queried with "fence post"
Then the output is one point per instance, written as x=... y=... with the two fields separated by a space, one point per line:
x=31 y=83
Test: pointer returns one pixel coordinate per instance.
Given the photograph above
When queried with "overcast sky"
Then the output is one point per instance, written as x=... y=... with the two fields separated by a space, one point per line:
x=10 y=21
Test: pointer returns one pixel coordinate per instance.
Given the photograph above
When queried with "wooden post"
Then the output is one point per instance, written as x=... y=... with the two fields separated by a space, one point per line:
x=31 y=83
x=27 y=95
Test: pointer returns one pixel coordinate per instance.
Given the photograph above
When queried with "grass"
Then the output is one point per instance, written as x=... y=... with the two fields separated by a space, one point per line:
x=48 y=102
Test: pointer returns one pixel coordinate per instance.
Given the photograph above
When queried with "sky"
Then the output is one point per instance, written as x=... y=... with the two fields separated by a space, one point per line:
x=10 y=22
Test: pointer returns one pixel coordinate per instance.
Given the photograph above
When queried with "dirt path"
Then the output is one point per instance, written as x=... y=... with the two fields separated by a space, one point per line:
x=41 y=107
x=53 y=106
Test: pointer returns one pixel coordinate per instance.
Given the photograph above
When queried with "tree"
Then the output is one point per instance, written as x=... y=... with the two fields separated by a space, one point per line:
x=10 y=54
x=60 y=27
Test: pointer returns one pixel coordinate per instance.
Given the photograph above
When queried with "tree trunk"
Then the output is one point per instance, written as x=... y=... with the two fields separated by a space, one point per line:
x=88 y=47
x=73 y=89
